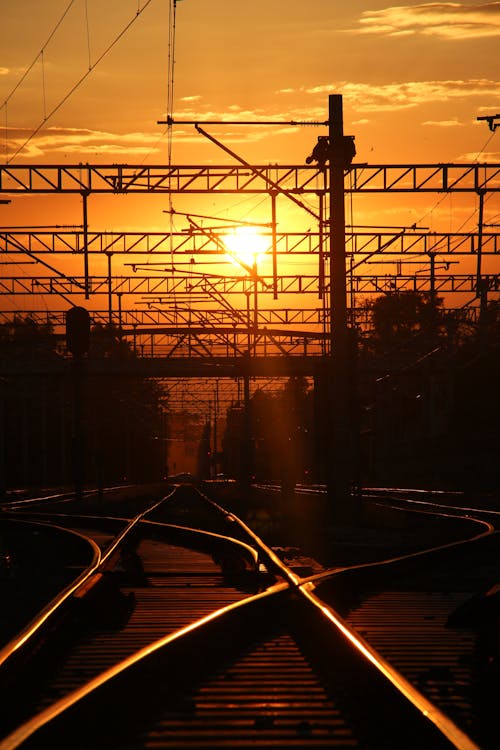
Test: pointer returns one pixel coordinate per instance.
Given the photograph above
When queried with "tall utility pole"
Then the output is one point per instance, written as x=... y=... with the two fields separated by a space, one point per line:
x=339 y=451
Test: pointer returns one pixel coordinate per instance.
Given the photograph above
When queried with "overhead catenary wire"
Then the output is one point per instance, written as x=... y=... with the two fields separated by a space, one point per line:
x=87 y=25
x=40 y=53
x=78 y=83
x=172 y=9
x=443 y=197
x=27 y=71
x=171 y=74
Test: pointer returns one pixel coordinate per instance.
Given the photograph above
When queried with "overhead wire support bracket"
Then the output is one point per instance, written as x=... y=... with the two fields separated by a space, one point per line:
x=258 y=172
x=491 y=120
x=171 y=121
x=275 y=188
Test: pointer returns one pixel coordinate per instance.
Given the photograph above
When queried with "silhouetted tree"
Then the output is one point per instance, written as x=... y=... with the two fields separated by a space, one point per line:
x=429 y=395
x=406 y=324
x=123 y=418
x=28 y=405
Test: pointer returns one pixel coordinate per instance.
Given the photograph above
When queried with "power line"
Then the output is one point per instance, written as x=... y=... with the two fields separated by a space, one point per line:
x=79 y=82
x=485 y=145
x=170 y=102
x=476 y=159
x=32 y=65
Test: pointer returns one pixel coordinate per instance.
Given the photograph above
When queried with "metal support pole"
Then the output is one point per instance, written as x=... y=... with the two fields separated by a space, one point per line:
x=273 y=194
x=249 y=323
x=246 y=444
x=433 y=299
x=432 y=259
x=120 y=330
x=339 y=393
x=110 y=292
x=321 y=248
x=78 y=439
x=338 y=287
x=481 y=284
x=480 y=224
x=85 y=196
x=215 y=435
x=255 y=307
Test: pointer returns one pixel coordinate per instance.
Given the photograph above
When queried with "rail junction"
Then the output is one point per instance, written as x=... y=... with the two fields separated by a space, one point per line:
x=185 y=628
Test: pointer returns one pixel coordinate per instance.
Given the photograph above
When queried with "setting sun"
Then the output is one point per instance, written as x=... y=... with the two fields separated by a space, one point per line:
x=245 y=246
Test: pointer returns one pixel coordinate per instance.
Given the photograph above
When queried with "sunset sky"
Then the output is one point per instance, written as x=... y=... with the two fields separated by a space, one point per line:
x=87 y=81
x=414 y=77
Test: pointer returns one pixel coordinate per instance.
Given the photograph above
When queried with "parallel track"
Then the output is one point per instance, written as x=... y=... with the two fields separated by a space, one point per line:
x=222 y=665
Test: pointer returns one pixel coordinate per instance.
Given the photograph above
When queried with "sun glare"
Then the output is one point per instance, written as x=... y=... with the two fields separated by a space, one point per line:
x=245 y=246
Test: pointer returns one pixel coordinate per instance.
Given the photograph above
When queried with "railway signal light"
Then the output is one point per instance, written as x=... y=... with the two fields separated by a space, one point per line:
x=78 y=331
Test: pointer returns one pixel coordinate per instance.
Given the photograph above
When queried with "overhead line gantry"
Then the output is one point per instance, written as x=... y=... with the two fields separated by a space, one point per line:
x=228 y=179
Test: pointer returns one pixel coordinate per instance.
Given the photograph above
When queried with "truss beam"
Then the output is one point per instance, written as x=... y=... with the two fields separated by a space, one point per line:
x=162 y=289
x=362 y=178
x=136 y=319
x=152 y=244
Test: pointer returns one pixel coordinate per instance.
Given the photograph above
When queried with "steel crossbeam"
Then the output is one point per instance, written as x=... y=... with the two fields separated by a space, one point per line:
x=295 y=179
x=308 y=243
x=181 y=315
x=162 y=289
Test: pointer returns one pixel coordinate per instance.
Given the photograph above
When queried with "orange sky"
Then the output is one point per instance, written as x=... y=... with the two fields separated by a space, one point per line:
x=414 y=79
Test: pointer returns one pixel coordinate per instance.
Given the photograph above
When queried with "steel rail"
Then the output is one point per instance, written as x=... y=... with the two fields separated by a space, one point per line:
x=199 y=536
x=444 y=724
x=304 y=587
x=13 y=646
x=100 y=561
x=26 y=730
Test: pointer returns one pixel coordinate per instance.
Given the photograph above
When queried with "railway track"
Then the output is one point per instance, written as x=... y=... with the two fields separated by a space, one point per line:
x=202 y=637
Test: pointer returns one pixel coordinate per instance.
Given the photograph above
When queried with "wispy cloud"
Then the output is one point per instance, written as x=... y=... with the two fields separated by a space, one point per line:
x=54 y=142
x=443 y=123
x=57 y=141
x=367 y=97
x=447 y=20
x=485 y=157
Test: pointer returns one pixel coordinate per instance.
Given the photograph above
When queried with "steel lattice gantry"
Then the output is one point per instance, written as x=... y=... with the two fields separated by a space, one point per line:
x=402 y=242
x=293 y=179
x=165 y=305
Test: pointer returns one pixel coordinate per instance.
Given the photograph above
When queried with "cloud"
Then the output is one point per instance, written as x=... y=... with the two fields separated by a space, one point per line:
x=367 y=97
x=443 y=123
x=53 y=142
x=446 y=20
x=57 y=140
x=485 y=157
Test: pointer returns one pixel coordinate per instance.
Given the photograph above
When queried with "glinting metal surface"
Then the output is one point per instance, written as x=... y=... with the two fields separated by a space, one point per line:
x=268 y=676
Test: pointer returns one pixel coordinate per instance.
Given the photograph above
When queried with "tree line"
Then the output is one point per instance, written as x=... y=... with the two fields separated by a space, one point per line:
x=425 y=405
x=121 y=419
x=425 y=409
